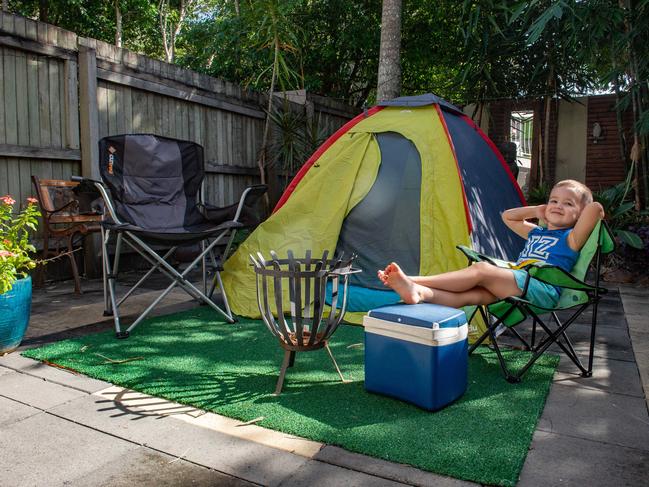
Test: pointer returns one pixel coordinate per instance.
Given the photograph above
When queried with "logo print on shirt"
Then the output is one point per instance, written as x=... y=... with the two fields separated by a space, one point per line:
x=538 y=246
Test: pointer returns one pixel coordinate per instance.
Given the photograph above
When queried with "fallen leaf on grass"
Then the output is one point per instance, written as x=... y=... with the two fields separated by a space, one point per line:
x=108 y=360
x=252 y=421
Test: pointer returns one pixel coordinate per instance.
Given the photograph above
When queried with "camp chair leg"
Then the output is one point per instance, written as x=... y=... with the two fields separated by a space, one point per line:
x=224 y=256
x=482 y=338
x=157 y=263
x=106 y=268
x=572 y=354
x=289 y=360
x=156 y=266
x=110 y=277
x=560 y=332
x=103 y=271
x=503 y=366
x=591 y=348
x=204 y=267
x=224 y=296
x=553 y=337
x=180 y=278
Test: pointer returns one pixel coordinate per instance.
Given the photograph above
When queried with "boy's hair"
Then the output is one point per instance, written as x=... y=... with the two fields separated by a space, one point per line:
x=581 y=189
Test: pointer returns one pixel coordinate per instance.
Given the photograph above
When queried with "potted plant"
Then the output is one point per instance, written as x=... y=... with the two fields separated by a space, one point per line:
x=15 y=261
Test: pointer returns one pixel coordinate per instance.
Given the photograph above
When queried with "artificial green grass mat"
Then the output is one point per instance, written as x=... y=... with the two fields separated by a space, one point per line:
x=193 y=358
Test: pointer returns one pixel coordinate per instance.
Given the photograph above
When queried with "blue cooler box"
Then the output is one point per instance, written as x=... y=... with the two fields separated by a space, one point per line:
x=417 y=353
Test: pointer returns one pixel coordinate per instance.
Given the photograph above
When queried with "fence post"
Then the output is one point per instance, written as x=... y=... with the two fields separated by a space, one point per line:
x=89 y=139
x=89 y=116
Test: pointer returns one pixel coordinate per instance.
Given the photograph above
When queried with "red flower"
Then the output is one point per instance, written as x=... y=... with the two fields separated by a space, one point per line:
x=7 y=200
x=32 y=201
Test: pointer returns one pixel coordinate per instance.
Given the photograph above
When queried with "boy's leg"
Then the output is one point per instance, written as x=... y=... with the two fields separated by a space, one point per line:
x=413 y=293
x=481 y=283
x=497 y=280
x=473 y=297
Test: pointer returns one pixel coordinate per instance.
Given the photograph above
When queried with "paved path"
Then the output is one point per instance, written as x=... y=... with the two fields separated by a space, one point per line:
x=60 y=428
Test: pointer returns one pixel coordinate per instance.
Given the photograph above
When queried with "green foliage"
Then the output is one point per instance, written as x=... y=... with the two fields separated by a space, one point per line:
x=15 y=249
x=540 y=194
x=620 y=213
x=296 y=139
x=331 y=45
x=96 y=19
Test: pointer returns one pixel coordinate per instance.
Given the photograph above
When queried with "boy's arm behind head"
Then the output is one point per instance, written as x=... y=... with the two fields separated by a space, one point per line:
x=588 y=218
x=516 y=219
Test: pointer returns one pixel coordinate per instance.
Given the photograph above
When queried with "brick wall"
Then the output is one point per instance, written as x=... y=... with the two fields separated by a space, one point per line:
x=604 y=162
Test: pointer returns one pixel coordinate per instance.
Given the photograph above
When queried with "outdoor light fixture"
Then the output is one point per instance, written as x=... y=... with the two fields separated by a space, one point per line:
x=597 y=132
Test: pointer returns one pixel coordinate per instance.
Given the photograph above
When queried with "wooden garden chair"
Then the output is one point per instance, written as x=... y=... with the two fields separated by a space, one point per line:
x=63 y=221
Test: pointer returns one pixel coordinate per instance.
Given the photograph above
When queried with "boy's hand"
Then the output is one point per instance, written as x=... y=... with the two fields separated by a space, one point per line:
x=588 y=218
x=516 y=218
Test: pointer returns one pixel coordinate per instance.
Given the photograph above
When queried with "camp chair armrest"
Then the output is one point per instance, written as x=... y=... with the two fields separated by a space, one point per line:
x=249 y=197
x=239 y=212
x=556 y=276
x=475 y=256
x=522 y=300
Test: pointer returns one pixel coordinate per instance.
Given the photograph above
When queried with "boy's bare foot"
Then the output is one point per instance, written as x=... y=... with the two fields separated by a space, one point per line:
x=383 y=275
x=396 y=279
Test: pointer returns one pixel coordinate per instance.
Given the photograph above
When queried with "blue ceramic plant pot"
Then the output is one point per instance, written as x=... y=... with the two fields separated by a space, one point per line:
x=15 y=306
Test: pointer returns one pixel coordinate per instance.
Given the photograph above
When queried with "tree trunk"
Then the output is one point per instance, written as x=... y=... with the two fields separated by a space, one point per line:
x=389 y=76
x=44 y=10
x=537 y=143
x=168 y=29
x=545 y=167
x=262 y=161
x=118 y=25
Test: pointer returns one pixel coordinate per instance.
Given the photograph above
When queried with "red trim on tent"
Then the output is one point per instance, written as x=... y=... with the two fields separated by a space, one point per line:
x=457 y=166
x=498 y=155
x=321 y=150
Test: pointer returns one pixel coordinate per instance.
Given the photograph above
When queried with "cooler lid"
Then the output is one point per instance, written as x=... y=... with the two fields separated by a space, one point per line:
x=424 y=315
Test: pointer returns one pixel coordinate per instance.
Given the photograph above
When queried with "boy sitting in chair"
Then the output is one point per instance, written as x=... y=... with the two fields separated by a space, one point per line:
x=570 y=215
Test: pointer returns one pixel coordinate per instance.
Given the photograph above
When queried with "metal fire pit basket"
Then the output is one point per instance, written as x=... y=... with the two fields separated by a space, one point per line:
x=312 y=321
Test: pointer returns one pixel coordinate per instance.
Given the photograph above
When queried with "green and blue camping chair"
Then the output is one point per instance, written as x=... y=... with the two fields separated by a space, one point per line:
x=578 y=294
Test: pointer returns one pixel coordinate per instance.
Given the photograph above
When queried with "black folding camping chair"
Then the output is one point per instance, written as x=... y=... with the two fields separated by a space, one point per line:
x=152 y=189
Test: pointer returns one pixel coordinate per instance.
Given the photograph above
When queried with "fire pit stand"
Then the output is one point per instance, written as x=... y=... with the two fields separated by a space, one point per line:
x=313 y=321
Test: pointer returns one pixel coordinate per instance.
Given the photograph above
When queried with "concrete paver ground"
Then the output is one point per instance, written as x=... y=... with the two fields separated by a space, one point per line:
x=60 y=428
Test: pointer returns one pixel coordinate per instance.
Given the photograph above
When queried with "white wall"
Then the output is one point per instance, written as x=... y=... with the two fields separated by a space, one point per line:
x=571 y=139
x=484 y=123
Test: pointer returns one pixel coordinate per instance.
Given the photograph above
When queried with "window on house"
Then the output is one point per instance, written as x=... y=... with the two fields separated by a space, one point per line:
x=521 y=134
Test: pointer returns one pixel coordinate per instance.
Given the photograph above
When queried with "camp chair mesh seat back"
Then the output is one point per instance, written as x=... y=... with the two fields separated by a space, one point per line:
x=152 y=187
x=577 y=296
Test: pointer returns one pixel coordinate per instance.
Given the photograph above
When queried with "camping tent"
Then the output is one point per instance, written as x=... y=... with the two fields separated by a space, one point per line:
x=405 y=181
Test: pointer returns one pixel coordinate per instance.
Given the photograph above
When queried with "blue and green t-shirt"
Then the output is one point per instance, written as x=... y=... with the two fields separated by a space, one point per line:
x=549 y=246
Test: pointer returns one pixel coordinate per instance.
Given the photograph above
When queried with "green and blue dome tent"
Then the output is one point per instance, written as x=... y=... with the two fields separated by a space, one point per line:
x=405 y=181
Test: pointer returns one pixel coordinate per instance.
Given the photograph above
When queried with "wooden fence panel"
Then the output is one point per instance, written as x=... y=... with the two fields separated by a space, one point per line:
x=33 y=121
